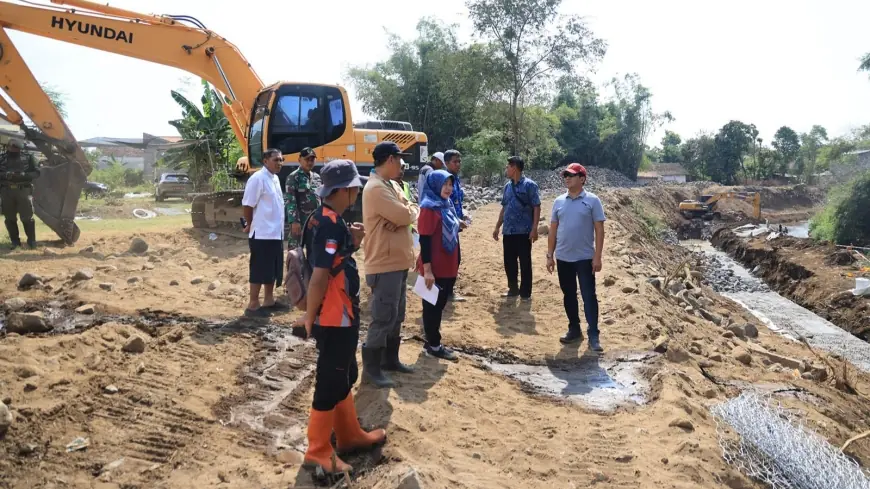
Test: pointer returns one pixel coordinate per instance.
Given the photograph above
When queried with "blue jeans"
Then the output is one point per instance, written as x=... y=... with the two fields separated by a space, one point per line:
x=570 y=273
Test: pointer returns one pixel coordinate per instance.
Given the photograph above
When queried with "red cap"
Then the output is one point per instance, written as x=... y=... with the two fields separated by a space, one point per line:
x=576 y=168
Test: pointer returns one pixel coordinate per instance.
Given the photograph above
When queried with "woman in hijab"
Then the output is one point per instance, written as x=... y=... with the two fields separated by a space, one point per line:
x=438 y=226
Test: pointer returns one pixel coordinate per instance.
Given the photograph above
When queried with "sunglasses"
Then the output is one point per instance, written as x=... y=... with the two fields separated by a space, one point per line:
x=570 y=175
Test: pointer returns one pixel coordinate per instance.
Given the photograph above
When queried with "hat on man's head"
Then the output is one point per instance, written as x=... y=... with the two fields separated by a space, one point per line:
x=339 y=174
x=306 y=152
x=439 y=156
x=387 y=148
x=17 y=143
x=576 y=169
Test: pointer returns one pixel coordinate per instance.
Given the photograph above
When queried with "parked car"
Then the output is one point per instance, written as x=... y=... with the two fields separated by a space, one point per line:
x=95 y=189
x=172 y=185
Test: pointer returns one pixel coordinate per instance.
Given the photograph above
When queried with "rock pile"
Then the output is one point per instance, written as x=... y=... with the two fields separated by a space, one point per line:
x=718 y=272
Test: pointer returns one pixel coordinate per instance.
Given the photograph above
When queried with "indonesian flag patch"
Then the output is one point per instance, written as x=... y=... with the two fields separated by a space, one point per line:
x=331 y=246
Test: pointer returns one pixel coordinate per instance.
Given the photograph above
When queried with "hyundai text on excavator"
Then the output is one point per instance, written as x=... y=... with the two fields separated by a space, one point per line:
x=285 y=115
x=705 y=206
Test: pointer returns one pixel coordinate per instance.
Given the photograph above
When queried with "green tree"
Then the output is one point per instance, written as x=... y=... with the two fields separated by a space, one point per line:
x=733 y=142
x=811 y=143
x=534 y=45
x=671 y=148
x=846 y=217
x=699 y=155
x=209 y=136
x=788 y=146
x=58 y=98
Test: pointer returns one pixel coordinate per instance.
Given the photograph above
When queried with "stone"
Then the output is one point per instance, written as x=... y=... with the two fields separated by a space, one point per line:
x=108 y=287
x=49 y=252
x=86 y=309
x=661 y=344
x=716 y=357
x=675 y=287
x=110 y=389
x=709 y=316
x=25 y=371
x=107 y=268
x=476 y=456
x=133 y=280
x=86 y=249
x=5 y=419
x=728 y=334
x=187 y=264
x=83 y=274
x=683 y=424
x=750 y=330
x=608 y=281
x=737 y=330
x=138 y=246
x=677 y=354
x=173 y=283
x=135 y=345
x=214 y=285
x=25 y=449
x=289 y=457
x=15 y=304
x=196 y=281
x=215 y=259
x=28 y=387
x=742 y=356
x=543 y=230
x=817 y=372
x=410 y=480
x=629 y=290
x=29 y=280
x=695 y=350
x=710 y=393
x=655 y=282
x=147 y=266
x=27 y=322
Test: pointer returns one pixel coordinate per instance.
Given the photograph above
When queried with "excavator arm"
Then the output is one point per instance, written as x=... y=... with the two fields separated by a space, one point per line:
x=165 y=40
x=753 y=197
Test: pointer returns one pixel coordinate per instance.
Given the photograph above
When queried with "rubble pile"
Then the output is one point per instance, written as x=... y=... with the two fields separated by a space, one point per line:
x=722 y=278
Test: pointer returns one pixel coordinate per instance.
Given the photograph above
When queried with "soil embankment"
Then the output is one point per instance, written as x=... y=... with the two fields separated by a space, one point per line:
x=814 y=275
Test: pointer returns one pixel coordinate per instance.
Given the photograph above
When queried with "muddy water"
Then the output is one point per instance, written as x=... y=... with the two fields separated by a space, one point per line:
x=596 y=383
x=784 y=316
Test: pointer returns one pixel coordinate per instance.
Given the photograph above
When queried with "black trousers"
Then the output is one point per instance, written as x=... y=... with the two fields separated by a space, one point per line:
x=518 y=248
x=570 y=273
x=266 y=265
x=337 y=370
x=432 y=313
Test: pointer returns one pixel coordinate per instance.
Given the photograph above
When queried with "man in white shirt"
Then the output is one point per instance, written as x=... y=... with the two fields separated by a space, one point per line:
x=263 y=208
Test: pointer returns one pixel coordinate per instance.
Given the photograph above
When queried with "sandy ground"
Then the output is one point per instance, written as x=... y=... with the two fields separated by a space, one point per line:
x=214 y=401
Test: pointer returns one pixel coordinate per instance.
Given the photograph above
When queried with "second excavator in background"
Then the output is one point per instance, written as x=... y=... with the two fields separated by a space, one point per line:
x=705 y=206
x=288 y=116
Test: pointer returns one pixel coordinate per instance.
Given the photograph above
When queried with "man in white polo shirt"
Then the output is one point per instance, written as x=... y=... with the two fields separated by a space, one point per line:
x=263 y=208
x=576 y=243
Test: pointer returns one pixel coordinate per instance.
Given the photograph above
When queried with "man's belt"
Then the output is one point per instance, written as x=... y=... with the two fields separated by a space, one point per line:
x=16 y=185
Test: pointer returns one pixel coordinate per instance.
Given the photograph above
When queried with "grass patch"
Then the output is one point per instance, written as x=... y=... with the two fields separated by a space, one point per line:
x=91 y=229
x=651 y=225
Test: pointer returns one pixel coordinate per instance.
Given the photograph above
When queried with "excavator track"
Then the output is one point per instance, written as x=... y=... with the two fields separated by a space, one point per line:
x=217 y=210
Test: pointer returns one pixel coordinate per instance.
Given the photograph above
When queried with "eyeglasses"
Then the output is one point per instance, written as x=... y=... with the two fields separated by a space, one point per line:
x=570 y=175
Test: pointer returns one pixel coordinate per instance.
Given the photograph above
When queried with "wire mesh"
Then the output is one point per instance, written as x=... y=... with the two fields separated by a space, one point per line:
x=775 y=448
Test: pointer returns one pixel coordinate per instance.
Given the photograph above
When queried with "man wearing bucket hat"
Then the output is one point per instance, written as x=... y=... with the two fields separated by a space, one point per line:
x=332 y=316
x=17 y=173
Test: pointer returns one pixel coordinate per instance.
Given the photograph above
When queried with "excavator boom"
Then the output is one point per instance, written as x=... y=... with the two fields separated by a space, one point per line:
x=160 y=39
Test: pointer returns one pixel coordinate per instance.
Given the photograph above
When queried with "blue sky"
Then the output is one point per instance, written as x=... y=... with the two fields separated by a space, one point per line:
x=768 y=62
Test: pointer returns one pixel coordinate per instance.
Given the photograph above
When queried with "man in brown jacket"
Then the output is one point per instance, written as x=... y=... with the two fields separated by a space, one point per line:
x=389 y=254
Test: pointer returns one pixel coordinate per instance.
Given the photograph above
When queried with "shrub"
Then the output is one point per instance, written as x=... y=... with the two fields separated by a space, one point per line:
x=846 y=217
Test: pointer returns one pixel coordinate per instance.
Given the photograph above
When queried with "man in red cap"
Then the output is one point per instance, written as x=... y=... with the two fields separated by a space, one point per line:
x=575 y=245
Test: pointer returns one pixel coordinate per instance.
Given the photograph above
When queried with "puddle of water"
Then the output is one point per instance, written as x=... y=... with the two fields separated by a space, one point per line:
x=598 y=384
x=799 y=229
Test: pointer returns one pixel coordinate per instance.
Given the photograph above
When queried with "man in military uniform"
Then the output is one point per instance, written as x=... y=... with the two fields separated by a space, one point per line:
x=300 y=197
x=17 y=173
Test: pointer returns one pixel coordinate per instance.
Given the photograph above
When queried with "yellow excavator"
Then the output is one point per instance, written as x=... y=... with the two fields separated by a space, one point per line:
x=287 y=115
x=705 y=206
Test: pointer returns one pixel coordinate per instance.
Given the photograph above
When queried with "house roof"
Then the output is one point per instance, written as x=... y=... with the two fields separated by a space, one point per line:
x=109 y=141
x=664 y=170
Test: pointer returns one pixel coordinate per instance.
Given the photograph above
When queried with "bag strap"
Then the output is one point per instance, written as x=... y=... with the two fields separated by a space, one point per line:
x=516 y=195
x=302 y=246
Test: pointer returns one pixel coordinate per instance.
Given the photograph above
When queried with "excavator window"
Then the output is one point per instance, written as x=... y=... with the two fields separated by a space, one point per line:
x=306 y=115
x=255 y=137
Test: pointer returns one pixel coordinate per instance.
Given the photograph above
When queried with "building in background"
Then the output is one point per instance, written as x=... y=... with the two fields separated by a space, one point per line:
x=663 y=172
x=133 y=153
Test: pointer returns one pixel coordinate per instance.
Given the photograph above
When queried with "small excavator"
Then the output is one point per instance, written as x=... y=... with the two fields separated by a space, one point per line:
x=705 y=207
x=288 y=116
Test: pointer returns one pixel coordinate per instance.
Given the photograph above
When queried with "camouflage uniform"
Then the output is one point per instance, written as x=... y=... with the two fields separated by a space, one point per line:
x=17 y=173
x=300 y=200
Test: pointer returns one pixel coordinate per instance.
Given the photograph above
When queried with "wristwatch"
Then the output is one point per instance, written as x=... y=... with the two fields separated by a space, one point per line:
x=549 y=255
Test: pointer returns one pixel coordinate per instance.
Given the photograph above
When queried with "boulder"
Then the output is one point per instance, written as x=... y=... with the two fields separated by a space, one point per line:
x=27 y=322
x=742 y=356
x=86 y=309
x=83 y=274
x=135 y=345
x=138 y=246
x=15 y=304
x=29 y=280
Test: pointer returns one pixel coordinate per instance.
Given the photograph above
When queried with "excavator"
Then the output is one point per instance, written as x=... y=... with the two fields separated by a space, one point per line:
x=288 y=116
x=705 y=206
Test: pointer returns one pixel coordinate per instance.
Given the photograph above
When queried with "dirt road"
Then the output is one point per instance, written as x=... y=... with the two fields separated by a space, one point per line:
x=214 y=401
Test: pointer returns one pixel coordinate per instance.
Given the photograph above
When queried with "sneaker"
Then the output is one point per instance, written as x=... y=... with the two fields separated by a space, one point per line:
x=572 y=336
x=456 y=298
x=511 y=293
x=594 y=344
x=441 y=351
x=526 y=299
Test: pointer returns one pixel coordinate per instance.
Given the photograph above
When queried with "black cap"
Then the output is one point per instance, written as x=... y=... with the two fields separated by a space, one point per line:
x=385 y=149
x=306 y=152
x=339 y=174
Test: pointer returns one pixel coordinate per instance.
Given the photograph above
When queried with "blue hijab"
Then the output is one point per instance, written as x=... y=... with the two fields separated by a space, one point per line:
x=430 y=198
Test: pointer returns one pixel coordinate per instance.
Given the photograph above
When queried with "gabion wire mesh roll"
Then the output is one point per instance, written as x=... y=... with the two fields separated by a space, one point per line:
x=775 y=448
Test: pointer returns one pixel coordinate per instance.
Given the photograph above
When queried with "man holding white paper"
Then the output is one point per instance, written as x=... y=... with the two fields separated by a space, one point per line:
x=438 y=263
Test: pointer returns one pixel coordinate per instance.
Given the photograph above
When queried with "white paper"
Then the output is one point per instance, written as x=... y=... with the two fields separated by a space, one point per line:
x=428 y=295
